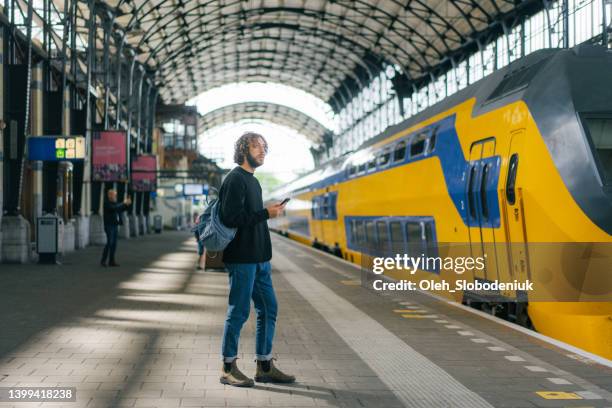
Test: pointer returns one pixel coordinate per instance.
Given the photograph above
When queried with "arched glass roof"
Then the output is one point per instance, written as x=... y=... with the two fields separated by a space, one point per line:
x=329 y=48
x=275 y=113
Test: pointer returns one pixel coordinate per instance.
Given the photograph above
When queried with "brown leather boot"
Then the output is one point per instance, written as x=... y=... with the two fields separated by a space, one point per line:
x=273 y=375
x=235 y=377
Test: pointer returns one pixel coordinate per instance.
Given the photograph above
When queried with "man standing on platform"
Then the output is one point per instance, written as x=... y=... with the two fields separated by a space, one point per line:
x=112 y=220
x=247 y=258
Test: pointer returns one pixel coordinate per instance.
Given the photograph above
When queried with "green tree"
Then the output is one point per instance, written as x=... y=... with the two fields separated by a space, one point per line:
x=269 y=182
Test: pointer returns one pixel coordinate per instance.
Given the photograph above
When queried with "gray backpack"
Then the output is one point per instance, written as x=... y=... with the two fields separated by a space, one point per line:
x=211 y=232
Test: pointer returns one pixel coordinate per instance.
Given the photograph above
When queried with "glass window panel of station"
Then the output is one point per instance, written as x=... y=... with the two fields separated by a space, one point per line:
x=514 y=37
x=536 y=33
x=582 y=23
x=502 y=52
x=462 y=76
x=555 y=12
x=431 y=94
x=475 y=64
x=488 y=58
x=451 y=82
x=440 y=87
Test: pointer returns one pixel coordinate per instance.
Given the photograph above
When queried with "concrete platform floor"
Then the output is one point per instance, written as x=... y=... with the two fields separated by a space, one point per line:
x=148 y=334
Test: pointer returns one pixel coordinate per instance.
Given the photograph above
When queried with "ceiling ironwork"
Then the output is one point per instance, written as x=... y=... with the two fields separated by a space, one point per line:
x=331 y=49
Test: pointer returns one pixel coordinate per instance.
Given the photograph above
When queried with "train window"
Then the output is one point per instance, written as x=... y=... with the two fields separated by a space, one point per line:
x=370 y=233
x=511 y=180
x=372 y=164
x=417 y=146
x=383 y=235
x=384 y=158
x=470 y=194
x=600 y=131
x=397 y=238
x=313 y=208
x=431 y=145
x=353 y=232
x=483 y=191
x=429 y=239
x=400 y=151
x=362 y=168
x=332 y=205
x=415 y=238
x=325 y=206
x=352 y=170
x=360 y=232
x=430 y=247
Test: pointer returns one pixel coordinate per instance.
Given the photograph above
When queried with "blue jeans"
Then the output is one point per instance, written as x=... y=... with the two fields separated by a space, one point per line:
x=250 y=281
x=111 y=243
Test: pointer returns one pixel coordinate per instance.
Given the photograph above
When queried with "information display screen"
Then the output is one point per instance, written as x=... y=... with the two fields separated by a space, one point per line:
x=193 y=189
x=56 y=148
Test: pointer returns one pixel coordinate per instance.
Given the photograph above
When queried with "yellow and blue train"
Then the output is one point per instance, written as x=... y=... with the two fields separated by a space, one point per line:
x=516 y=168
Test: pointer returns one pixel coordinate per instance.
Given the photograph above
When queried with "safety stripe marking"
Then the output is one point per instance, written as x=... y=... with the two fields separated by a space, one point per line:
x=559 y=381
x=409 y=311
x=514 y=358
x=402 y=369
x=588 y=395
x=536 y=369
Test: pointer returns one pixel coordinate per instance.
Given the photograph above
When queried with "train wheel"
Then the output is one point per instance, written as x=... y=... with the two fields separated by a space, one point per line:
x=522 y=317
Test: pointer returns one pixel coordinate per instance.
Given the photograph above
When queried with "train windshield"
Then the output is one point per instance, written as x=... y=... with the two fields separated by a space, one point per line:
x=600 y=132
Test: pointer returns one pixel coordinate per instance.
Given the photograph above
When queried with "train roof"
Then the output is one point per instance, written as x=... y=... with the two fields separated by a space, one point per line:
x=504 y=86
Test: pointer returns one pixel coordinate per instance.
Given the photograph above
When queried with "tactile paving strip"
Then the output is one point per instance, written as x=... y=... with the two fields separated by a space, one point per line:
x=414 y=380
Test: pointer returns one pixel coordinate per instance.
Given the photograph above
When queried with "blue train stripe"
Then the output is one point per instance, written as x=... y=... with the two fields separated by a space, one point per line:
x=455 y=168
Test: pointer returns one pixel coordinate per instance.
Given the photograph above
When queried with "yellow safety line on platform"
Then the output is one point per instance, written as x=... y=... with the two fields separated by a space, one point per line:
x=558 y=395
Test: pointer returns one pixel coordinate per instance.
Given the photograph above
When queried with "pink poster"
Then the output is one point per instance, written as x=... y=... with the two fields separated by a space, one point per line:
x=144 y=173
x=109 y=156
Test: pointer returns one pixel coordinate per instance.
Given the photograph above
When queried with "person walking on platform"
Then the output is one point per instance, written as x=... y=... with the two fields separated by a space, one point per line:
x=247 y=258
x=112 y=220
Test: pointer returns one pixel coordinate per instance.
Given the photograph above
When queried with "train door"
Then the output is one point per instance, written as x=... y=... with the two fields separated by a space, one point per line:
x=481 y=192
x=316 y=229
x=514 y=211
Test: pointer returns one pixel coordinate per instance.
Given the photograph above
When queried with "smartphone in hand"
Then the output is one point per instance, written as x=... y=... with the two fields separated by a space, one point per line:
x=285 y=201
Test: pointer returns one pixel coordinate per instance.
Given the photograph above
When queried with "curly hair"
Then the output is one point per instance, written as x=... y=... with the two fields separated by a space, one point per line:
x=241 y=148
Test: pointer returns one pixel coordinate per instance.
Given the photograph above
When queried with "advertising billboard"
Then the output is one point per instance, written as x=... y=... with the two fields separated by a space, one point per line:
x=144 y=173
x=109 y=156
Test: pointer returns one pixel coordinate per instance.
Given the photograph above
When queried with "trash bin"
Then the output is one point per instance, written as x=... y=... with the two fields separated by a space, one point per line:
x=157 y=224
x=47 y=238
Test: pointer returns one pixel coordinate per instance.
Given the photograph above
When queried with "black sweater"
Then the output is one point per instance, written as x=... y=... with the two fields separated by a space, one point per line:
x=242 y=208
x=112 y=212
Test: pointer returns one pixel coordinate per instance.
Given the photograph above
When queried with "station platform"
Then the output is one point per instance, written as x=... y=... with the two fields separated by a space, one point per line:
x=148 y=334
